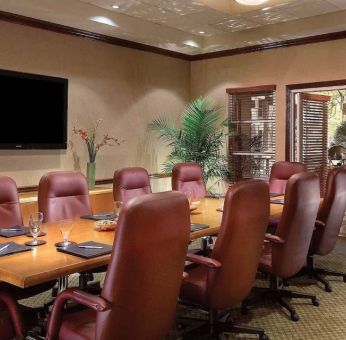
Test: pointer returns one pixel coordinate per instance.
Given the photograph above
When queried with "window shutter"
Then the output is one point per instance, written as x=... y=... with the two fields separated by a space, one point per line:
x=252 y=113
x=314 y=134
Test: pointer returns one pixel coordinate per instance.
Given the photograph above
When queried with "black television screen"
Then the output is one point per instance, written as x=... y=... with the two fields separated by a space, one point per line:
x=33 y=111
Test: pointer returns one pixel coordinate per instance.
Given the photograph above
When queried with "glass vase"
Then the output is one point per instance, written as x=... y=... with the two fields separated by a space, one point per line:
x=91 y=168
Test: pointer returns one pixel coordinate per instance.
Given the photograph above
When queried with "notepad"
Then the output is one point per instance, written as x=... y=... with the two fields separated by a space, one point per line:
x=99 y=216
x=281 y=201
x=13 y=248
x=7 y=232
x=198 y=226
x=73 y=249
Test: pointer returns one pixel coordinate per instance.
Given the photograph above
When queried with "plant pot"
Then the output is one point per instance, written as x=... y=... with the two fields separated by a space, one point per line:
x=91 y=168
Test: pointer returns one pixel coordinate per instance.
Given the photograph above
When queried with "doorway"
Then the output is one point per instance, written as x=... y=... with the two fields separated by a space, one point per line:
x=315 y=115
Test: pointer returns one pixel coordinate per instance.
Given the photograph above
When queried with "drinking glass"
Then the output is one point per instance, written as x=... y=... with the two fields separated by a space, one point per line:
x=118 y=205
x=65 y=227
x=220 y=197
x=35 y=222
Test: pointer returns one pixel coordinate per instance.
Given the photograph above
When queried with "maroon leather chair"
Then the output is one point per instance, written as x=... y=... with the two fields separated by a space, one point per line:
x=141 y=288
x=188 y=177
x=329 y=221
x=226 y=278
x=281 y=172
x=63 y=195
x=10 y=213
x=129 y=183
x=10 y=322
x=286 y=254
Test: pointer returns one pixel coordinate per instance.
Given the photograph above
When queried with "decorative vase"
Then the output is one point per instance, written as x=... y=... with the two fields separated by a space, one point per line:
x=91 y=167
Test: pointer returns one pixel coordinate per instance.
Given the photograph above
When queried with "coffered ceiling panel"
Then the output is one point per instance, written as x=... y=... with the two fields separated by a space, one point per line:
x=190 y=26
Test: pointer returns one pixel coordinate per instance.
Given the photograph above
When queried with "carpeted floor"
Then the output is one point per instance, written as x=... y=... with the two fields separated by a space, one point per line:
x=326 y=322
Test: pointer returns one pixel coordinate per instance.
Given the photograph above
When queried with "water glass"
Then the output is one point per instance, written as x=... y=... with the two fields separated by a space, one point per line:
x=118 y=205
x=188 y=195
x=66 y=227
x=35 y=222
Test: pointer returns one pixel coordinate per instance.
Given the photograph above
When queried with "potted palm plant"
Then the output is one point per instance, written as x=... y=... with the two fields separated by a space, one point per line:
x=201 y=139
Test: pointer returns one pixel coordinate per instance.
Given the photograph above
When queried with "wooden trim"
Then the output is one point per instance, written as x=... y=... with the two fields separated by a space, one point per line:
x=269 y=46
x=292 y=87
x=49 y=26
x=261 y=88
x=97 y=182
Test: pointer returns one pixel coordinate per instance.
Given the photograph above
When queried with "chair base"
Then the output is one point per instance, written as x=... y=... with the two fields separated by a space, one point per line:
x=212 y=328
x=318 y=273
x=278 y=295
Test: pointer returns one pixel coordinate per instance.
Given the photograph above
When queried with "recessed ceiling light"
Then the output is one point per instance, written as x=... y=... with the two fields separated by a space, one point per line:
x=201 y=32
x=115 y=6
x=266 y=9
x=104 y=20
x=251 y=2
x=190 y=43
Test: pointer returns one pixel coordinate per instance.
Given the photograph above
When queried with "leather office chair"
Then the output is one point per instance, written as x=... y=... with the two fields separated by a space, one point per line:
x=10 y=215
x=129 y=183
x=329 y=221
x=10 y=322
x=188 y=177
x=141 y=288
x=226 y=278
x=288 y=247
x=63 y=195
x=281 y=172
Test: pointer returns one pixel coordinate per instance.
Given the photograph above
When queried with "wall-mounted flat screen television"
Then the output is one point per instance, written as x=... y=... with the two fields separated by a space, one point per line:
x=33 y=110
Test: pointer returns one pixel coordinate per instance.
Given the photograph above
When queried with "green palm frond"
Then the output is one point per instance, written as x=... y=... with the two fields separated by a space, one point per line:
x=200 y=139
x=340 y=135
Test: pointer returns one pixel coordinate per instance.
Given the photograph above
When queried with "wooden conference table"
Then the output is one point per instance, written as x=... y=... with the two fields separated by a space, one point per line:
x=45 y=263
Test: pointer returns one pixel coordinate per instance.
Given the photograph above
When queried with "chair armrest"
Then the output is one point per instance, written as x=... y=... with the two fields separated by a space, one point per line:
x=319 y=224
x=94 y=302
x=12 y=306
x=205 y=261
x=274 y=239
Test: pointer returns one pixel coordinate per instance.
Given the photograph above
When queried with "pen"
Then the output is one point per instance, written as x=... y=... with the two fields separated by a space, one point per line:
x=4 y=247
x=11 y=229
x=90 y=247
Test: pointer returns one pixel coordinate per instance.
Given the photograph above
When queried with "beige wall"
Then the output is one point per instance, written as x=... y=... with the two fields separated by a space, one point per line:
x=125 y=87
x=301 y=64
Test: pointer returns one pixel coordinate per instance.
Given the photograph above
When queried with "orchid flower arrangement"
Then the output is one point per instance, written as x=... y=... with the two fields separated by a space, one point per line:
x=89 y=137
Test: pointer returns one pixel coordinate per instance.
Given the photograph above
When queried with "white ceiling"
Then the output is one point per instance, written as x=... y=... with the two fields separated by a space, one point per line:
x=191 y=26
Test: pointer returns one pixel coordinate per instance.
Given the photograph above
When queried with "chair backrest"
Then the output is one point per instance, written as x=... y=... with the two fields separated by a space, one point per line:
x=63 y=195
x=302 y=199
x=331 y=212
x=239 y=243
x=10 y=213
x=188 y=177
x=281 y=172
x=145 y=271
x=129 y=183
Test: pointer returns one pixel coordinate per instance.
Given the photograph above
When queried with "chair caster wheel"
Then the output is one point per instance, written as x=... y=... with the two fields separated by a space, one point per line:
x=344 y=278
x=294 y=317
x=315 y=302
x=264 y=337
x=328 y=289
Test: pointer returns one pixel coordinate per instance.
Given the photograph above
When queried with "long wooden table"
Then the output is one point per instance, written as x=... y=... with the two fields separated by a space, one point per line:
x=45 y=263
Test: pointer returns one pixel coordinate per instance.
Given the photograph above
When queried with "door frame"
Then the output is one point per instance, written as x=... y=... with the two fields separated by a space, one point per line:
x=290 y=90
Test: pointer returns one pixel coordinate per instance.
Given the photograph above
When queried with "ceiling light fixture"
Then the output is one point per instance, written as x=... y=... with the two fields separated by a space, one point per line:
x=104 y=20
x=115 y=6
x=251 y=2
x=201 y=32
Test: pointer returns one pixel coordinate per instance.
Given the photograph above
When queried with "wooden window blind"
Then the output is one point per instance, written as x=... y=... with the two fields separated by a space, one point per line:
x=252 y=113
x=313 y=134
